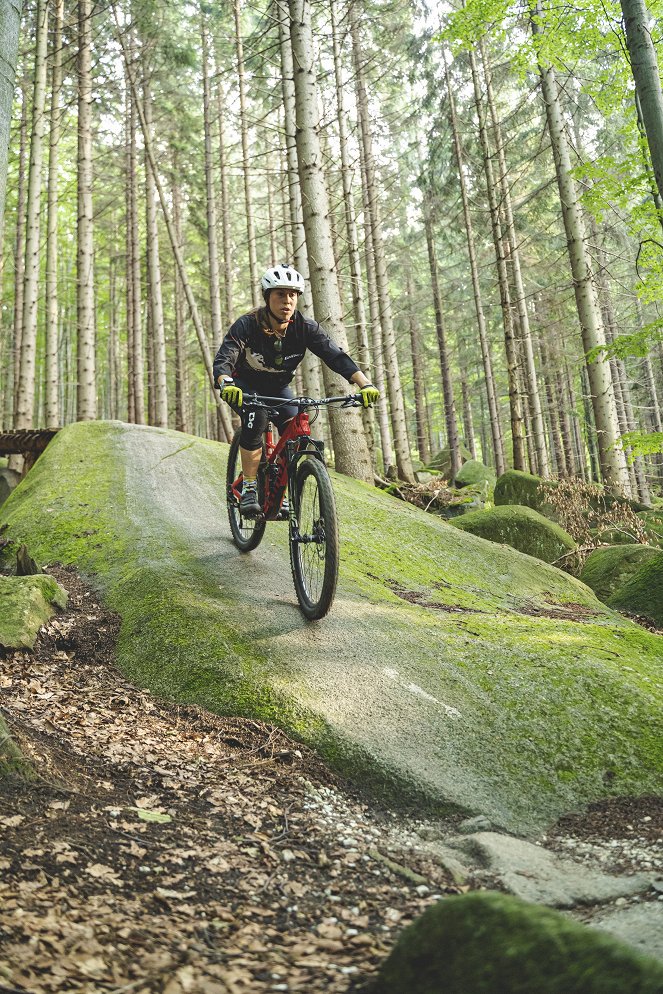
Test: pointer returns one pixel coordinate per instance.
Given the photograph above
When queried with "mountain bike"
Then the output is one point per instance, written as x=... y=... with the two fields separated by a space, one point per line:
x=293 y=467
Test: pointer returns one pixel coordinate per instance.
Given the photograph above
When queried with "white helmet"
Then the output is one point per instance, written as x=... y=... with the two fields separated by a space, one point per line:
x=282 y=277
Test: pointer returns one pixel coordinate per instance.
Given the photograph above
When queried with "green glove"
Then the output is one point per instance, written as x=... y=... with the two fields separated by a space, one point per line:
x=369 y=394
x=232 y=394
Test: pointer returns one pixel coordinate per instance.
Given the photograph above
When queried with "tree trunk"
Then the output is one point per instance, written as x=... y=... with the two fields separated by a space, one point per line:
x=181 y=384
x=399 y=424
x=86 y=396
x=155 y=300
x=228 y=316
x=644 y=66
x=51 y=345
x=347 y=430
x=515 y=398
x=310 y=368
x=613 y=463
x=445 y=365
x=10 y=19
x=244 y=128
x=19 y=249
x=534 y=396
x=493 y=411
x=418 y=374
x=27 y=374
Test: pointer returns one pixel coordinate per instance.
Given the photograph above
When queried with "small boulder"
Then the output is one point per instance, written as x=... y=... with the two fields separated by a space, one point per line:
x=524 y=489
x=520 y=527
x=486 y=942
x=608 y=569
x=26 y=603
x=642 y=593
x=474 y=473
x=440 y=464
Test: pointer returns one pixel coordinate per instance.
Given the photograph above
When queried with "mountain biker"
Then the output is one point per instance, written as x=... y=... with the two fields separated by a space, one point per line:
x=260 y=353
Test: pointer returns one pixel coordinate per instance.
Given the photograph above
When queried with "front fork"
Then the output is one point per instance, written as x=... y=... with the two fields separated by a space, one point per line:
x=294 y=453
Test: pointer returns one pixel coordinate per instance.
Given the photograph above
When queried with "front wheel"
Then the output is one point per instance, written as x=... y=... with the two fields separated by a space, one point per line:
x=246 y=532
x=314 y=540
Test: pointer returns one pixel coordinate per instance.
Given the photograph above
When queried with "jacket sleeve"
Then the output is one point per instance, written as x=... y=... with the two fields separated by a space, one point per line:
x=230 y=350
x=320 y=344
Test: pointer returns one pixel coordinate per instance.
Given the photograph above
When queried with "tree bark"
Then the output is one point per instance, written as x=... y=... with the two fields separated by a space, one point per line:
x=10 y=19
x=644 y=66
x=27 y=374
x=513 y=260
x=86 y=396
x=181 y=379
x=156 y=325
x=349 y=441
x=19 y=248
x=418 y=373
x=228 y=316
x=398 y=420
x=613 y=463
x=246 y=159
x=52 y=410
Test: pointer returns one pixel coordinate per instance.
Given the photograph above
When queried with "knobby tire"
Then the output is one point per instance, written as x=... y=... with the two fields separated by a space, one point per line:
x=315 y=563
x=247 y=532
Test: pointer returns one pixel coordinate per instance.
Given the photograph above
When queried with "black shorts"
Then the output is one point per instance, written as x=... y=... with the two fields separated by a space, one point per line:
x=254 y=420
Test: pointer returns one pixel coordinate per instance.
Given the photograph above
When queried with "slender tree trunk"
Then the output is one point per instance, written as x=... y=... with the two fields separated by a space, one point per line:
x=553 y=410
x=10 y=19
x=644 y=66
x=580 y=459
x=350 y=446
x=155 y=302
x=86 y=398
x=590 y=427
x=228 y=316
x=445 y=365
x=244 y=128
x=613 y=463
x=418 y=373
x=51 y=349
x=27 y=375
x=513 y=259
x=515 y=398
x=181 y=384
x=468 y=420
x=19 y=250
x=389 y=467
x=493 y=411
x=310 y=368
x=399 y=424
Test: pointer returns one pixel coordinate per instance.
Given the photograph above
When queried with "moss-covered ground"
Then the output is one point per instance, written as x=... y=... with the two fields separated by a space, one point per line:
x=450 y=669
x=26 y=603
x=607 y=569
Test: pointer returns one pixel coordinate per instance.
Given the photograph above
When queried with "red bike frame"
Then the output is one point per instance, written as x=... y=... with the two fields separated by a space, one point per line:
x=276 y=474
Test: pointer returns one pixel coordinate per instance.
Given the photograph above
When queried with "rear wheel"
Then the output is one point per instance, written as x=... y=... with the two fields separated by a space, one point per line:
x=314 y=550
x=246 y=532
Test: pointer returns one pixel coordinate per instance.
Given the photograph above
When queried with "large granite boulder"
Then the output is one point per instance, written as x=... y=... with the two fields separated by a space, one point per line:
x=607 y=569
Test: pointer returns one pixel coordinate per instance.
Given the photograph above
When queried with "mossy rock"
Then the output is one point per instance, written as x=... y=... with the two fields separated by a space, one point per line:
x=513 y=691
x=608 y=569
x=522 y=528
x=524 y=489
x=491 y=943
x=26 y=603
x=473 y=473
x=440 y=464
x=642 y=594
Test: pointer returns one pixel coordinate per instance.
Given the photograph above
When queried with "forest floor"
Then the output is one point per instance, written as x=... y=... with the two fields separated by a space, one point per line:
x=161 y=848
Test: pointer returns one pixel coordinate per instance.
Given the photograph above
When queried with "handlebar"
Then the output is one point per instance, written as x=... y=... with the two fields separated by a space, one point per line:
x=259 y=401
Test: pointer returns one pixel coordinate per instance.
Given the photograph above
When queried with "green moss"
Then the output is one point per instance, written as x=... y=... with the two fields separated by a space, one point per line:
x=440 y=464
x=474 y=472
x=26 y=603
x=555 y=694
x=642 y=593
x=522 y=528
x=607 y=569
x=517 y=487
x=484 y=943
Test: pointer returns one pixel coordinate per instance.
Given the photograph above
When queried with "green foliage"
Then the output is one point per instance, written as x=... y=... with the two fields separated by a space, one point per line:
x=642 y=443
x=485 y=942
